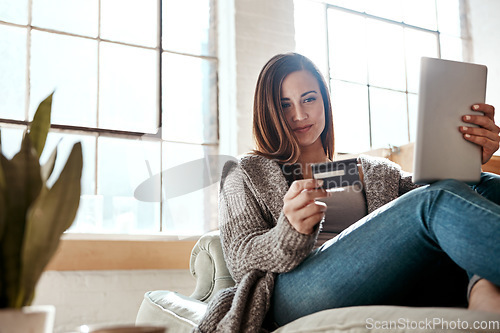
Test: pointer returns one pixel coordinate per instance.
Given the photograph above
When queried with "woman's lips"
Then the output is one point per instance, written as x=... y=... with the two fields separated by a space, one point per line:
x=303 y=129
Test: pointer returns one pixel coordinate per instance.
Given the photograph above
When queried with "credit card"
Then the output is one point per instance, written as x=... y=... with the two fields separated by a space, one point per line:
x=337 y=174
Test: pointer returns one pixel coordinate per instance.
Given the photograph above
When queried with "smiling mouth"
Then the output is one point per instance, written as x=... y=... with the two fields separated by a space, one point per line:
x=302 y=129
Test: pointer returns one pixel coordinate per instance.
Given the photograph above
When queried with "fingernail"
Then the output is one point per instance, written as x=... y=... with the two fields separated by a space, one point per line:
x=467 y=117
x=475 y=107
x=467 y=136
x=464 y=128
x=320 y=182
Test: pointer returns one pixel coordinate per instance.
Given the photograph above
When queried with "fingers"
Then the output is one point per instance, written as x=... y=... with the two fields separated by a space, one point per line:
x=300 y=207
x=488 y=146
x=487 y=134
x=304 y=205
x=300 y=185
x=488 y=110
x=305 y=219
x=481 y=132
x=309 y=223
x=313 y=212
x=482 y=121
x=306 y=197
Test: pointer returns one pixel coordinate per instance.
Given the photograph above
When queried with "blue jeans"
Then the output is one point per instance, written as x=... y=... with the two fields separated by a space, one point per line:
x=417 y=250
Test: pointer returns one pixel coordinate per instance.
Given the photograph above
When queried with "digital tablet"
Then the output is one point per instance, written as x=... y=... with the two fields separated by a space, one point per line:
x=448 y=89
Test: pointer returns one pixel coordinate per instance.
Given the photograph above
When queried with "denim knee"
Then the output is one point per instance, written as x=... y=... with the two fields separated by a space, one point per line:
x=451 y=185
x=489 y=178
x=489 y=187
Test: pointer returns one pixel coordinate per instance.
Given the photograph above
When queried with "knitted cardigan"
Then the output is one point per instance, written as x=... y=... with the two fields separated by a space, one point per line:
x=259 y=242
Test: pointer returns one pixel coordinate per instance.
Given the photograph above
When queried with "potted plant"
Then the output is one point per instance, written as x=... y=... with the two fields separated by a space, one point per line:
x=32 y=218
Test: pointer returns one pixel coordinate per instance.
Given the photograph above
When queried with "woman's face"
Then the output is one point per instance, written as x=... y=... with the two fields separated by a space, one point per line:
x=303 y=107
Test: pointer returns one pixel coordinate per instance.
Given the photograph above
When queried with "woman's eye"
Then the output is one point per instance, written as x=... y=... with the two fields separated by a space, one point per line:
x=285 y=105
x=309 y=99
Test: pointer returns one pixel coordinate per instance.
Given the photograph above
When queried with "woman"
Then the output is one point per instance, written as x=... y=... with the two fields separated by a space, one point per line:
x=412 y=238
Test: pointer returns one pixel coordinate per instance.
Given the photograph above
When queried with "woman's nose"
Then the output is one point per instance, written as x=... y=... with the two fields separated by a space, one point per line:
x=300 y=114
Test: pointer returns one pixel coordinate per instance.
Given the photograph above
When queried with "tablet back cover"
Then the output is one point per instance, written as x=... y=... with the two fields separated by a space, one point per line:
x=448 y=89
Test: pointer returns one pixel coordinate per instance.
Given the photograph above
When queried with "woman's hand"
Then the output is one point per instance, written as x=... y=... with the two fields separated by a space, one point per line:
x=487 y=134
x=300 y=207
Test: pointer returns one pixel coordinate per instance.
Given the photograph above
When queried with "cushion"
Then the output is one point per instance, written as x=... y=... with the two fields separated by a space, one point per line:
x=180 y=314
x=167 y=308
x=383 y=319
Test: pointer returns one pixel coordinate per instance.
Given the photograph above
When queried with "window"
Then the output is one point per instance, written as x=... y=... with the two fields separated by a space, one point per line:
x=136 y=83
x=370 y=51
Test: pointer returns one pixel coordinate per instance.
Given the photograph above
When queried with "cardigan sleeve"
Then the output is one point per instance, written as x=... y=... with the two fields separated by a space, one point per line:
x=250 y=238
x=384 y=181
x=406 y=183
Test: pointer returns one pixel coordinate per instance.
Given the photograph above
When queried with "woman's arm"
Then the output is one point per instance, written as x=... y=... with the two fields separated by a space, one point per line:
x=250 y=237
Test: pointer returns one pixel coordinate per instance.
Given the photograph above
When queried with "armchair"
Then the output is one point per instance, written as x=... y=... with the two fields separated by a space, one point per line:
x=181 y=314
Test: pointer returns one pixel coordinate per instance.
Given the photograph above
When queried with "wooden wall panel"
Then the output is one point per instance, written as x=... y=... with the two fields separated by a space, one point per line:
x=121 y=255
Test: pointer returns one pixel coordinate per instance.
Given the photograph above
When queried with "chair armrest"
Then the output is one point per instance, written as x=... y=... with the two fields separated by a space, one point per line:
x=208 y=267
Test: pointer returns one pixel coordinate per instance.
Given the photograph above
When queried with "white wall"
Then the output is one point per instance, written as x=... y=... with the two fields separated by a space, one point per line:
x=484 y=25
x=104 y=297
x=263 y=28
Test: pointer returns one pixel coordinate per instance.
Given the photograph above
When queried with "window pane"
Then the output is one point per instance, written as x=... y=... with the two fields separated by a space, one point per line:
x=189 y=99
x=67 y=65
x=451 y=48
x=128 y=98
x=189 y=27
x=350 y=117
x=130 y=21
x=347 y=46
x=386 y=55
x=449 y=17
x=358 y=5
x=388 y=118
x=122 y=166
x=194 y=212
x=421 y=13
x=418 y=44
x=413 y=111
x=12 y=72
x=75 y=16
x=11 y=141
x=389 y=9
x=14 y=11
x=310 y=32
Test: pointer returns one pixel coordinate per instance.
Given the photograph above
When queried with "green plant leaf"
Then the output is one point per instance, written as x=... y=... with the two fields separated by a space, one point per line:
x=48 y=167
x=40 y=126
x=22 y=186
x=51 y=214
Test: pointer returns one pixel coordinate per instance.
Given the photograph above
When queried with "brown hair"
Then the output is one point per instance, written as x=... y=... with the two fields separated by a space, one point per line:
x=273 y=136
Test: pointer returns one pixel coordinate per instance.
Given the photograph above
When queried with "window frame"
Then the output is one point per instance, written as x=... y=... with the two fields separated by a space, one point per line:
x=327 y=6
x=98 y=132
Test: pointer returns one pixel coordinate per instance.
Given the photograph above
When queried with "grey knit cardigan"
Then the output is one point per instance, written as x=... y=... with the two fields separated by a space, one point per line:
x=258 y=241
